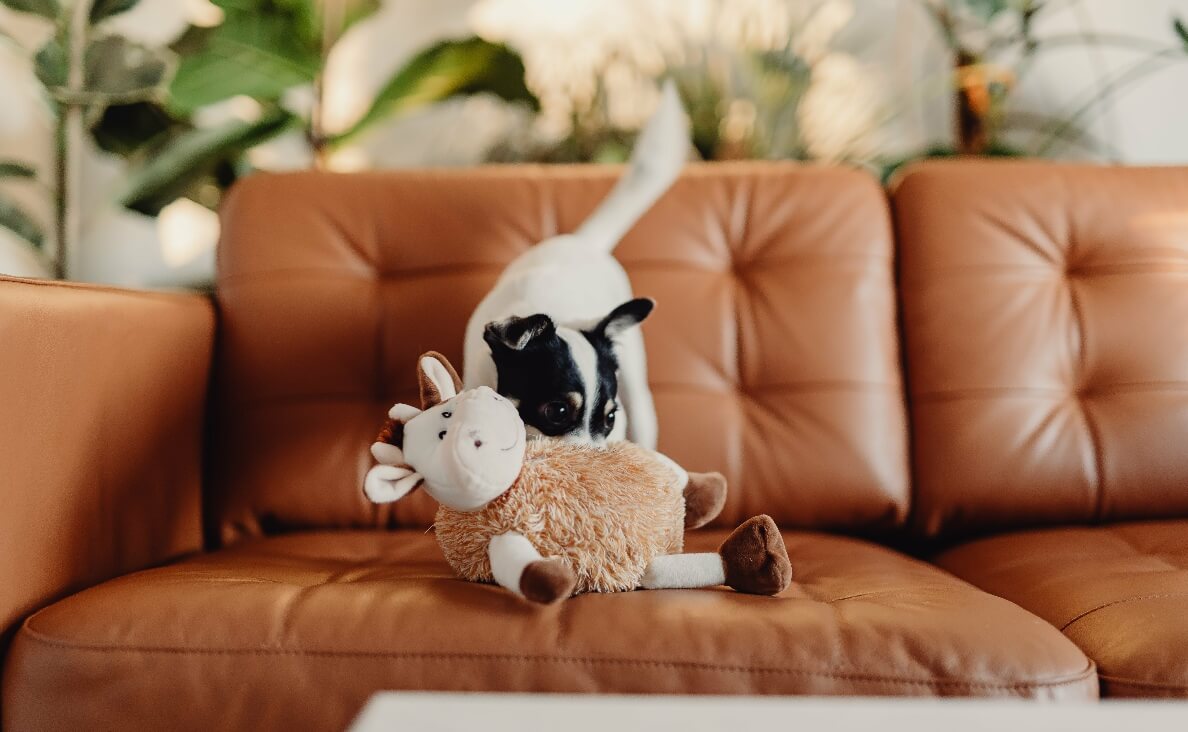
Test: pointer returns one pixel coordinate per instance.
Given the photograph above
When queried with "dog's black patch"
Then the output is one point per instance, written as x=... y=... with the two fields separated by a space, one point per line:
x=536 y=368
x=538 y=372
x=604 y=411
x=602 y=419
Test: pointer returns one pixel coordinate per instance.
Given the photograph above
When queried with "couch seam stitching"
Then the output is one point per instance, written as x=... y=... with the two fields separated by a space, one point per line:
x=1123 y=601
x=1122 y=681
x=187 y=299
x=34 y=635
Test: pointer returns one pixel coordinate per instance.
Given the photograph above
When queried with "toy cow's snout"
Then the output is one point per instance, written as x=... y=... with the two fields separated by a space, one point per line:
x=483 y=423
x=478 y=452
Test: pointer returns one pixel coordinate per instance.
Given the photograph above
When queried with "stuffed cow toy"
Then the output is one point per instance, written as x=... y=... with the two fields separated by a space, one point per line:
x=546 y=518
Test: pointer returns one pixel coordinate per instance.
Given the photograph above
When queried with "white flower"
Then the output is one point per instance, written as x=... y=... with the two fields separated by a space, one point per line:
x=839 y=112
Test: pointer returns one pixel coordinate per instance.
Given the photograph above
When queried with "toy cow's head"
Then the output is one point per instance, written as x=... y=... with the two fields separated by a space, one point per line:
x=465 y=448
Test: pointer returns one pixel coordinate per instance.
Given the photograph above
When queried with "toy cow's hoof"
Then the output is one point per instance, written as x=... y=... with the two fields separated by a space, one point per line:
x=755 y=558
x=547 y=580
x=705 y=496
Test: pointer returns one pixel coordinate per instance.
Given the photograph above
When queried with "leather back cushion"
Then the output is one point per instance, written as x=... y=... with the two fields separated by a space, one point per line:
x=773 y=352
x=1046 y=328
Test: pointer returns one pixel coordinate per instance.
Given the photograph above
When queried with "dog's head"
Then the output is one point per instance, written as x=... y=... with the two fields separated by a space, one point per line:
x=563 y=380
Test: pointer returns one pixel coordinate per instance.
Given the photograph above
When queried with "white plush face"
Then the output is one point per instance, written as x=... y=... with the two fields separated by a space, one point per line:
x=466 y=449
x=469 y=449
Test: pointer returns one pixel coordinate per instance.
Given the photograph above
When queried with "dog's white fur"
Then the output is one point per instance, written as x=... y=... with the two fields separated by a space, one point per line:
x=575 y=279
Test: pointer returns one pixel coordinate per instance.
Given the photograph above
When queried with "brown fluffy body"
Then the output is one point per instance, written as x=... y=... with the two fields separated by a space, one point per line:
x=606 y=511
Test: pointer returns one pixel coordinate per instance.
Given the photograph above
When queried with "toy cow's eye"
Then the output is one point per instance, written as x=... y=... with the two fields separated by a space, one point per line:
x=447 y=415
x=441 y=435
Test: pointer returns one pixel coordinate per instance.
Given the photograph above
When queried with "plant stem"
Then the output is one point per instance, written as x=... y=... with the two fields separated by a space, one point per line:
x=333 y=18
x=68 y=132
x=1112 y=40
x=1105 y=90
x=61 y=176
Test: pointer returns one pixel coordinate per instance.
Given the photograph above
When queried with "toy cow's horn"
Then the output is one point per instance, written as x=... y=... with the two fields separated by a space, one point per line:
x=439 y=381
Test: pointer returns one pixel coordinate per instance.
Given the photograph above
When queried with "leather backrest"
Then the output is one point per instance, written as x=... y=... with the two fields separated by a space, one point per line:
x=773 y=353
x=1046 y=328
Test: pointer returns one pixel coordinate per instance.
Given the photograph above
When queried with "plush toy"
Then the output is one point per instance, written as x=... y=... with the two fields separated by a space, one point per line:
x=545 y=518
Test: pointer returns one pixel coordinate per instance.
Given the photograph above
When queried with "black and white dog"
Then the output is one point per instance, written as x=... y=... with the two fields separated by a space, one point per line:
x=557 y=333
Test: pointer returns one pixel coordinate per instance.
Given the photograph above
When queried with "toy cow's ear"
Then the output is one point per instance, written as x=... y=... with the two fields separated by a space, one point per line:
x=388 y=483
x=439 y=381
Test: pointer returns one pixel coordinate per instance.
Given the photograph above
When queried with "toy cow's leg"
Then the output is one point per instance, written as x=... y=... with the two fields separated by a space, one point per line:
x=753 y=559
x=705 y=497
x=679 y=571
x=705 y=493
x=517 y=565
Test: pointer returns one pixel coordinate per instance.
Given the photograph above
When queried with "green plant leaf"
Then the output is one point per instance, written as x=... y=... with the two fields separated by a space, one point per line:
x=447 y=69
x=1181 y=31
x=101 y=10
x=14 y=218
x=986 y=9
x=50 y=65
x=262 y=48
x=165 y=175
x=15 y=169
x=45 y=8
x=125 y=71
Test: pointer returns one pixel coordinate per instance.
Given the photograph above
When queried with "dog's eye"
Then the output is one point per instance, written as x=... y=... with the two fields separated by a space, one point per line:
x=610 y=418
x=555 y=412
x=441 y=435
x=447 y=415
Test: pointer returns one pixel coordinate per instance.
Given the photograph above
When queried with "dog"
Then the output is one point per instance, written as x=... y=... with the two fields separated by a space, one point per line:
x=558 y=335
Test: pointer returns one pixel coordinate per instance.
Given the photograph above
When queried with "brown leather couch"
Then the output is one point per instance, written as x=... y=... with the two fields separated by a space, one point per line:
x=966 y=402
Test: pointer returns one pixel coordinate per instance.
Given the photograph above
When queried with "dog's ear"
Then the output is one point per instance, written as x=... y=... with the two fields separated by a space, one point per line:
x=439 y=381
x=627 y=315
x=516 y=333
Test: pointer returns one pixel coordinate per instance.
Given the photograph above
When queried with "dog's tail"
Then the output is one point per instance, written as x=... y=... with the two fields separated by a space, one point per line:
x=659 y=154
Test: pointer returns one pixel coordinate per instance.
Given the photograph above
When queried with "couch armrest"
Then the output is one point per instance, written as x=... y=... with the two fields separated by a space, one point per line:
x=102 y=397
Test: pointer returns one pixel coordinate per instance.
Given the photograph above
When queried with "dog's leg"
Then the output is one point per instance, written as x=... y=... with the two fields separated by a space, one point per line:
x=634 y=393
x=517 y=566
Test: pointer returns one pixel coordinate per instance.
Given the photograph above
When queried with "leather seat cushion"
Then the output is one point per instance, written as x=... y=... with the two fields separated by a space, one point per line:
x=1119 y=592
x=297 y=631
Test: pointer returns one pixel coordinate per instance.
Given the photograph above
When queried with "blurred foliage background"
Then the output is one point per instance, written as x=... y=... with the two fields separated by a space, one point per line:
x=766 y=79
